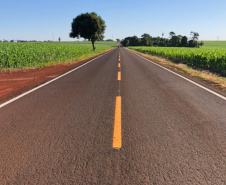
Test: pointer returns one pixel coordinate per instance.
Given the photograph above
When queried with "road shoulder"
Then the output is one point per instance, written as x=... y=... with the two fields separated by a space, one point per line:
x=173 y=67
x=15 y=82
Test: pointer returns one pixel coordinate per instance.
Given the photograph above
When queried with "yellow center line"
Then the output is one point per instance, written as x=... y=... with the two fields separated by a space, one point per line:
x=119 y=75
x=119 y=65
x=117 y=138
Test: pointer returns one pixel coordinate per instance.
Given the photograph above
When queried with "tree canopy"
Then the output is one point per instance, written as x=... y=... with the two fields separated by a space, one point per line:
x=89 y=26
x=184 y=41
x=173 y=41
x=195 y=35
x=146 y=40
x=117 y=40
x=171 y=34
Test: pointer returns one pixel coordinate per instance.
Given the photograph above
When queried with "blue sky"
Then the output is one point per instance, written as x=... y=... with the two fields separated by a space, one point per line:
x=50 y=19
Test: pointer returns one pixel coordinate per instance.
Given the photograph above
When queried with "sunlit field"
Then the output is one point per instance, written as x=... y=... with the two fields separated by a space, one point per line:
x=213 y=59
x=40 y=54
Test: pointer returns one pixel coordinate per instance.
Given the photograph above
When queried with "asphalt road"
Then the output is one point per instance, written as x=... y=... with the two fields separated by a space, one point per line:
x=172 y=131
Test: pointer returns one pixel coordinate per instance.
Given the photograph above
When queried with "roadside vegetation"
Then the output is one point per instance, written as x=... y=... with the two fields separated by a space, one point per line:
x=29 y=55
x=204 y=75
x=200 y=55
x=213 y=60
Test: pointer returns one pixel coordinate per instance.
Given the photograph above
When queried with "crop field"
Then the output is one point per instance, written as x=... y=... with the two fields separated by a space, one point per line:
x=211 y=59
x=27 y=55
x=215 y=44
x=112 y=43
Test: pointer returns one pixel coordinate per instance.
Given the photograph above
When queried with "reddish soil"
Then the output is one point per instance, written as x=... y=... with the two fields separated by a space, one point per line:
x=15 y=82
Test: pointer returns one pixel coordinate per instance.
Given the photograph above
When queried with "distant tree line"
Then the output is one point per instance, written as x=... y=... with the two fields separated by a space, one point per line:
x=18 y=41
x=173 y=40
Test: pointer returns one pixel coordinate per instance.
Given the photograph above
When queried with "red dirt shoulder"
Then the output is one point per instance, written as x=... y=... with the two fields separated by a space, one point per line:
x=13 y=83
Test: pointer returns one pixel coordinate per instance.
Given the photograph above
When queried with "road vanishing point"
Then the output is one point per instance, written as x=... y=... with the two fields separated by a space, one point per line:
x=117 y=119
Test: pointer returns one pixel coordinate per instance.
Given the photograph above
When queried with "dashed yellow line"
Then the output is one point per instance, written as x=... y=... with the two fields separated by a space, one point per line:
x=119 y=75
x=119 y=56
x=117 y=136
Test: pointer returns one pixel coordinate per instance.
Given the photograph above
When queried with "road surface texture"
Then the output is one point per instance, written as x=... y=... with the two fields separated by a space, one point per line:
x=172 y=131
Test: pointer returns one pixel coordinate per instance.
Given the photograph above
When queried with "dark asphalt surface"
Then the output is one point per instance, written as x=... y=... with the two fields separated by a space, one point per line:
x=173 y=132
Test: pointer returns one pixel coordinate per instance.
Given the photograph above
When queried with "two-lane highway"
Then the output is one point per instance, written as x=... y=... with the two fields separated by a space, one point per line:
x=171 y=131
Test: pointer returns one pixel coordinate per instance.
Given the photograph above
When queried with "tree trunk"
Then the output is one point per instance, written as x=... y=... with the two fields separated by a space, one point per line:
x=94 y=48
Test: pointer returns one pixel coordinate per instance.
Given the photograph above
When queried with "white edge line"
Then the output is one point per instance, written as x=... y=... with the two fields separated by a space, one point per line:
x=46 y=83
x=219 y=95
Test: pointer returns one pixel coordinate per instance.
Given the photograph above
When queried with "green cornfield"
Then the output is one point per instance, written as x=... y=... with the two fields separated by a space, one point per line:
x=214 y=44
x=28 y=55
x=205 y=58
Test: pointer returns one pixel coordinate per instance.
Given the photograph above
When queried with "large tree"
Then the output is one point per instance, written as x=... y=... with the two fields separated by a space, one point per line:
x=195 y=36
x=184 y=41
x=171 y=34
x=126 y=42
x=89 y=26
x=175 y=41
x=117 y=40
x=146 y=40
x=134 y=41
x=194 y=41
